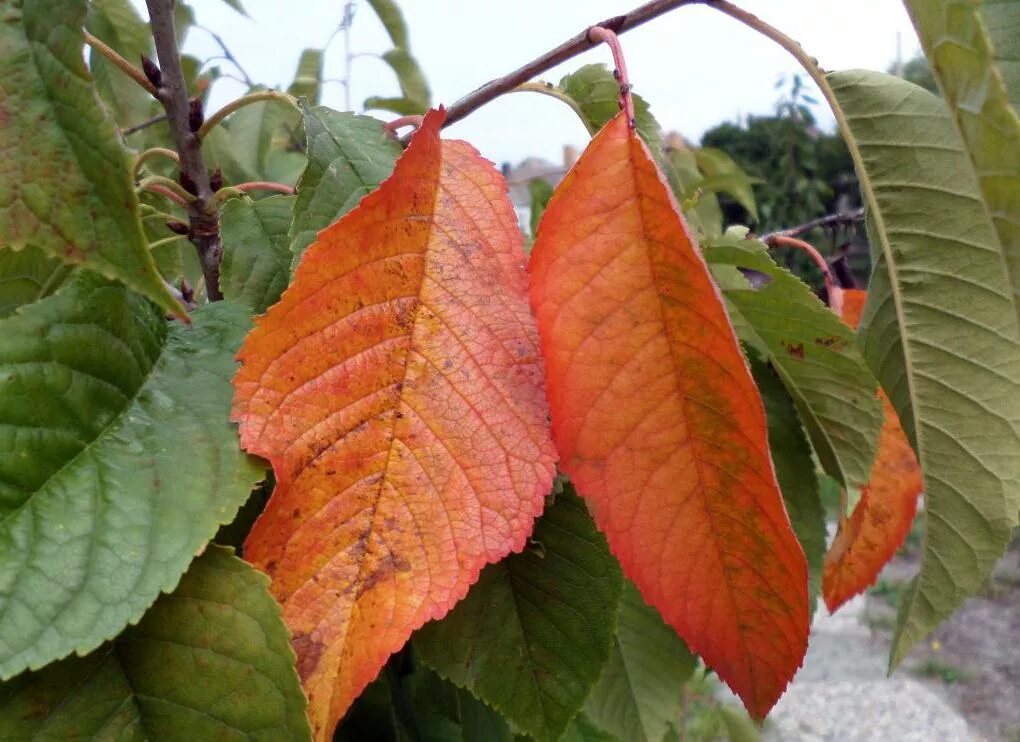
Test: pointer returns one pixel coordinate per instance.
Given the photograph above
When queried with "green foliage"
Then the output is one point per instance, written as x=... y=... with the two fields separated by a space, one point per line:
x=99 y=402
x=118 y=463
x=940 y=332
x=211 y=660
x=505 y=641
x=348 y=156
x=639 y=696
x=66 y=189
x=256 y=250
x=814 y=354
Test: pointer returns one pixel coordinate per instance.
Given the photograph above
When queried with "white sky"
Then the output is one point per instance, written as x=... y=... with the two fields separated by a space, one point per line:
x=695 y=66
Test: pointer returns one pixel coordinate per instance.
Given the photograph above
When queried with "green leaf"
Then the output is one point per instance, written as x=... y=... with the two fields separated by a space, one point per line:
x=401 y=106
x=815 y=354
x=256 y=130
x=957 y=36
x=348 y=157
x=27 y=276
x=533 y=634
x=641 y=690
x=236 y=5
x=795 y=470
x=701 y=207
x=308 y=78
x=722 y=174
x=583 y=729
x=256 y=250
x=393 y=20
x=65 y=182
x=940 y=331
x=410 y=77
x=118 y=25
x=597 y=93
x=540 y=191
x=212 y=660
x=220 y=150
x=100 y=404
x=739 y=727
x=413 y=704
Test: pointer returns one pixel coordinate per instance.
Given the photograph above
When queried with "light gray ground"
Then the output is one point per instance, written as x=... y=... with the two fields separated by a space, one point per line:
x=842 y=693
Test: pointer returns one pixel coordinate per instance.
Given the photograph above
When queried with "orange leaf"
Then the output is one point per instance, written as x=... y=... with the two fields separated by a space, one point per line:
x=658 y=422
x=882 y=518
x=397 y=390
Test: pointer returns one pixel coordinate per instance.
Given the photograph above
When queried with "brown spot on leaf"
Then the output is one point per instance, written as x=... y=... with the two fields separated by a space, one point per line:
x=794 y=349
x=831 y=341
x=308 y=650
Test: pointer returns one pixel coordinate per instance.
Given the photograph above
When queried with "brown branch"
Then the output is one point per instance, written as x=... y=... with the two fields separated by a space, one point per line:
x=173 y=94
x=580 y=43
x=828 y=221
x=122 y=64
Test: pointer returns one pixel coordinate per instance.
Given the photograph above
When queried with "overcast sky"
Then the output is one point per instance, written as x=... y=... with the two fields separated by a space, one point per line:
x=695 y=66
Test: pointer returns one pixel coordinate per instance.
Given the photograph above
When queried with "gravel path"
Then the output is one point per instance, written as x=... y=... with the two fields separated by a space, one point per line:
x=842 y=693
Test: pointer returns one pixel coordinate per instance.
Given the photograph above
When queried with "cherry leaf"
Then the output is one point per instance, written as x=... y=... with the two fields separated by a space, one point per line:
x=397 y=390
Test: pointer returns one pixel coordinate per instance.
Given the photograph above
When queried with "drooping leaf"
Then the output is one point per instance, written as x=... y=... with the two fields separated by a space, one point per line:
x=975 y=61
x=532 y=636
x=940 y=332
x=99 y=402
x=815 y=355
x=209 y=661
x=640 y=692
x=722 y=174
x=348 y=156
x=882 y=518
x=27 y=276
x=700 y=208
x=657 y=421
x=795 y=470
x=416 y=94
x=117 y=24
x=236 y=5
x=397 y=390
x=65 y=184
x=308 y=78
x=393 y=20
x=256 y=250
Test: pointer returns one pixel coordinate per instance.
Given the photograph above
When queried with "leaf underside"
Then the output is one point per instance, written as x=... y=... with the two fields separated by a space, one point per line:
x=940 y=332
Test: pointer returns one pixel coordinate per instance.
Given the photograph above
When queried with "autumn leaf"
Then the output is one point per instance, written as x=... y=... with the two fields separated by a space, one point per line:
x=397 y=390
x=882 y=518
x=658 y=422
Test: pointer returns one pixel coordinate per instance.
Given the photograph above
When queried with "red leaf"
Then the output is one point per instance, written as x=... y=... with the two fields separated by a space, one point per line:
x=658 y=422
x=397 y=390
x=882 y=518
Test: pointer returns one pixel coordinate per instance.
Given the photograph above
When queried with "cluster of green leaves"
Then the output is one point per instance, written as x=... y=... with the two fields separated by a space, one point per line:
x=118 y=464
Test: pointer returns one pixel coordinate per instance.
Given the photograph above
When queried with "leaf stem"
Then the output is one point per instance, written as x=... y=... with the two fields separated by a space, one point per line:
x=412 y=120
x=166 y=241
x=608 y=37
x=154 y=152
x=166 y=187
x=223 y=194
x=173 y=94
x=256 y=97
x=143 y=125
x=554 y=91
x=782 y=240
x=122 y=64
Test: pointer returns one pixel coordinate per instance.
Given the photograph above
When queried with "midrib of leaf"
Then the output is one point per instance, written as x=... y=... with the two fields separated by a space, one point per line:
x=618 y=648
x=353 y=162
x=642 y=150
